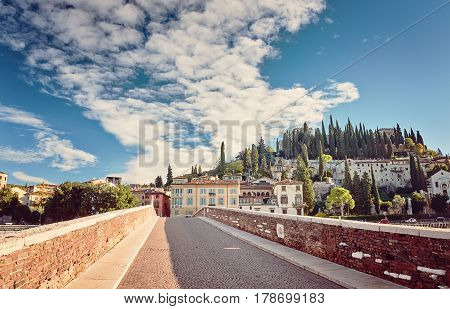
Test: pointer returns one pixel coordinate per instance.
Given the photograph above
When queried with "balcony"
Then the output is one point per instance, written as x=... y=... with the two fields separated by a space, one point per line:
x=212 y=194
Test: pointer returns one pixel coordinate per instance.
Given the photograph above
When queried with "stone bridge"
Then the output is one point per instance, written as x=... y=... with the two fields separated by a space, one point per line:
x=223 y=248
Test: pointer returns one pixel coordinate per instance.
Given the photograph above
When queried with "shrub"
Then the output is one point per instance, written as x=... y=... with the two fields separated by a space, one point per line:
x=439 y=203
x=385 y=205
x=321 y=215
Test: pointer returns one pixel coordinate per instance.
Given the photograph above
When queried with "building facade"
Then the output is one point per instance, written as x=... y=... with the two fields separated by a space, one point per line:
x=3 y=179
x=199 y=193
x=439 y=183
x=114 y=180
x=289 y=196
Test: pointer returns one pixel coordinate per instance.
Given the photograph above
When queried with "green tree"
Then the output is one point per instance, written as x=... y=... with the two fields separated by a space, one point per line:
x=247 y=162
x=356 y=191
x=347 y=177
x=9 y=201
x=254 y=160
x=264 y=170
x=366 y=193
x=284 y=175
x=159 y=182
x=222 y=160
x=169 y=176
x=398 y=204
x=340 y=197
x=199 y=171
x=375 y=192
x=305 y=157
x=302 y=174
x=413 y=172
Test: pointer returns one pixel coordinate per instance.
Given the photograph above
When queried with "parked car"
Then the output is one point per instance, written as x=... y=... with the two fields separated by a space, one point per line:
x=411 y=220
x=440 y=219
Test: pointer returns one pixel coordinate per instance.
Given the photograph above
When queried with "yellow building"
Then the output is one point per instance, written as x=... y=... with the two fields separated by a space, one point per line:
x=199 y=193
x=3 y=179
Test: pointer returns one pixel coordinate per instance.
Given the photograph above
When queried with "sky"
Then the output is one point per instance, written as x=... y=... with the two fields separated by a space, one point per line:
x=96 y=88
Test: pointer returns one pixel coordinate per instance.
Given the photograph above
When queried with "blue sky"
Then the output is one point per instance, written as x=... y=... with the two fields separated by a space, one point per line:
x=71 y=100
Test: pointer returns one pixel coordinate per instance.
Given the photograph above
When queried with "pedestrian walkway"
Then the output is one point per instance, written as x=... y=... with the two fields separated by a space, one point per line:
x=191 y=253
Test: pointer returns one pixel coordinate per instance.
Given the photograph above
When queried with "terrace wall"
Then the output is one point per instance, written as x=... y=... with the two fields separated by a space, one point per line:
x=51 y=256
x=411 y=256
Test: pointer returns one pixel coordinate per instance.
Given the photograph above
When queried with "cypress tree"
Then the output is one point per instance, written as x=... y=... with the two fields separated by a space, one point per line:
x=254 y=159
x=195 y=170
x=169 y=176
x=332 y=142
x=324 y=137
x=366 y=193
x=422 y=179
x=413 y=172
x=305 y=154
x=356 y=191
x=158 y=182
x=321 y=167
x=413 y=136
x=264 y=170
x=192 y=170
x=347 y=177
x=199 y=170
x=247 y=162
x=302 y=174
x=222 y=160
x=375 y=192
x=420 y=138
x=261 y=150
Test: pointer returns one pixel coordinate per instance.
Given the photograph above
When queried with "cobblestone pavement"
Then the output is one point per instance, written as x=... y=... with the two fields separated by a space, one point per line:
x=189 y=253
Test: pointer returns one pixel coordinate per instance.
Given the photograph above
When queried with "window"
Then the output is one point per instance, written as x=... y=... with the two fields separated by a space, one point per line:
x=436 y=184
x=202 y=191
x=178 y=191
x=233 y=201
x=298 y=199
x=220 y=191
x=284 y=211
x=283 y=188
x=189 y=201
x=189 y=191
x=272 y=210
x=212 y=201
x=284 y=200
x=233 y=191
x=202 y=201
x=297 y=188
x=212 y=190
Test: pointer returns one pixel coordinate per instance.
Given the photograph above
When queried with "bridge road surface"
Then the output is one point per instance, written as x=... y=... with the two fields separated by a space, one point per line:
x=190 y=253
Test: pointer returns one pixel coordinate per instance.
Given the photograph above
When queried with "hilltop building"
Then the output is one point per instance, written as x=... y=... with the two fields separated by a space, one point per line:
x=204 y=191
x=3 y=179
x=439 y=183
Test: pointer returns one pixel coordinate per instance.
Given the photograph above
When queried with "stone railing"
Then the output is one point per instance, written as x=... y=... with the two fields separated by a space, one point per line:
x=411 y=256
x=52 y=255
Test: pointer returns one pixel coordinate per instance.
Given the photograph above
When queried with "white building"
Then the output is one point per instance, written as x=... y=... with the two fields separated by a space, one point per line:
x=3 y=179
x=114 y=180
x=439 y=183
x=289 y=196
x=21 y=195
x=283 y=165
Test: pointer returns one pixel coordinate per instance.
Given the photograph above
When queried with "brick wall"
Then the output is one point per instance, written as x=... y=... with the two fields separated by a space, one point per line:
x=410 y=256
x=52 y=255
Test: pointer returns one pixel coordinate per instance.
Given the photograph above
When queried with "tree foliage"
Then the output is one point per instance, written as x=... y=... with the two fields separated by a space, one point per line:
x=340 y=197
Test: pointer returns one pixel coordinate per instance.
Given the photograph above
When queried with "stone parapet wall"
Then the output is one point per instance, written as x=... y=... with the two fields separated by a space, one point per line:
x=51 y=256
x=411 y=256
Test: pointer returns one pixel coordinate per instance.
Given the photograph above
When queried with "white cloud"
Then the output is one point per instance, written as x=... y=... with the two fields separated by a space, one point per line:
x=14 y=115
x=29 y=179
x=61 y=152
x=202 y=59
x=329 y=20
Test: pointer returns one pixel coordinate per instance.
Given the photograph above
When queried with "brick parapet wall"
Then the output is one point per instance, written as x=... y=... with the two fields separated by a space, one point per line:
x=410 y=256
x=52 y=255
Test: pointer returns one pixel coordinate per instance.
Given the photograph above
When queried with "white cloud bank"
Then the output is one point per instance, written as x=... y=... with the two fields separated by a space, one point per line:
x=61 y=152
x=202 y=60
x=29 y=179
